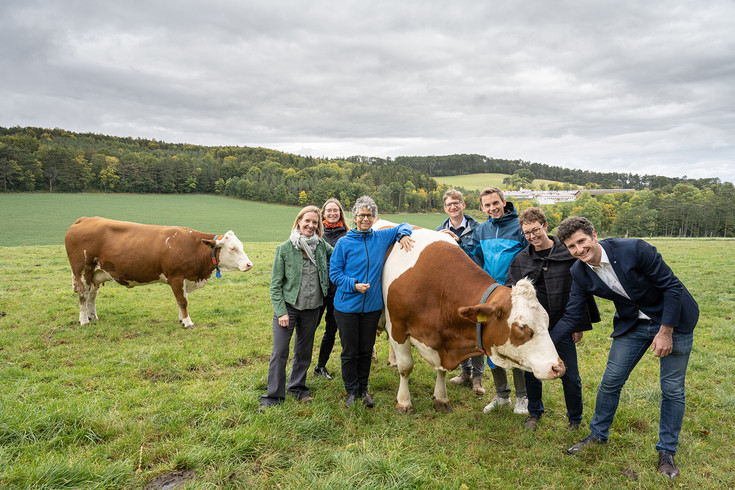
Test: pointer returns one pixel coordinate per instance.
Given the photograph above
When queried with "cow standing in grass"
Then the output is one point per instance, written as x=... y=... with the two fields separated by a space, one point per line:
x=134 y=254
x=439 y=312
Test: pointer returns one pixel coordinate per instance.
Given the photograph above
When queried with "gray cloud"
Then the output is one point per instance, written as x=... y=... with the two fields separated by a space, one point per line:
x=621 y=86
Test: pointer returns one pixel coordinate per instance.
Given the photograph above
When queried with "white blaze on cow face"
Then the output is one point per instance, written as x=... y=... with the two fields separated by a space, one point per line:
x=232 y=257
x=538 y=352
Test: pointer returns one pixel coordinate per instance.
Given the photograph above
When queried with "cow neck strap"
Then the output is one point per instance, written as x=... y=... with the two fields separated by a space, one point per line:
x=485 y=296
x=214 y=259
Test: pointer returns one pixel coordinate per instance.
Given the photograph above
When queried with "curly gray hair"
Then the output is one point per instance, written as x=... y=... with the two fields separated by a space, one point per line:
x=365 y=202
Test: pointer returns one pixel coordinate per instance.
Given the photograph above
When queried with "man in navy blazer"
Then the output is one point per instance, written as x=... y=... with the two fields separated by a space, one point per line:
x=652 y=309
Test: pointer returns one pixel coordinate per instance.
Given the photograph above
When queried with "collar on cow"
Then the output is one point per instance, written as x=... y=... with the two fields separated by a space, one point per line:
x=214 y=259
x=485 y=296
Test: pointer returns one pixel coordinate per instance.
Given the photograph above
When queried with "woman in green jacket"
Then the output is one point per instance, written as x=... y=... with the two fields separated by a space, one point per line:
x=299 y=282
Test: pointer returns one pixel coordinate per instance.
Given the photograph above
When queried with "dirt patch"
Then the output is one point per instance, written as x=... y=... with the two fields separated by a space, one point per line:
x=171 y=481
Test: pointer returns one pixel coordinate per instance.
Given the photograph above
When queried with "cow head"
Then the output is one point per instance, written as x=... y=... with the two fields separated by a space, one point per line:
x=518 y=338
x=232 y=257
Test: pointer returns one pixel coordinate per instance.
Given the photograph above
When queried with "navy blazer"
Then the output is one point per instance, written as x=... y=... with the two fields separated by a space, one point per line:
x=650 y=283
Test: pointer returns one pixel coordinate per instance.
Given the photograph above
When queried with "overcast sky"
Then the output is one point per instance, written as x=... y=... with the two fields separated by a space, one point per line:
x=646 y=87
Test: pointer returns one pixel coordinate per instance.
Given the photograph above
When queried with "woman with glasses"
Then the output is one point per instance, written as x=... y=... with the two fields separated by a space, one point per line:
x=546 y=261
x=356 y=268
x=335 y=227
x=299 y=283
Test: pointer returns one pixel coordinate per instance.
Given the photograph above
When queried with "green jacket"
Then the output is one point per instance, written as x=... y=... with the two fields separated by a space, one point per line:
x=286 y=274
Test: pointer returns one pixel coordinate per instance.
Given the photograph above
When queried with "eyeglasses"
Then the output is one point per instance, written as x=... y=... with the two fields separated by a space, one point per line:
x=535 y=231
x=455 y=204
x=363 y=216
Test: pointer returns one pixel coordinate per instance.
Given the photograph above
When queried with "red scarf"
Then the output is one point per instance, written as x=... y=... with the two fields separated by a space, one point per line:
x=336 y=225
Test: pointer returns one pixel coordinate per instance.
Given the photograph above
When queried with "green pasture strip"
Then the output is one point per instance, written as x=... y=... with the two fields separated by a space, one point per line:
x=134 y=396
x=480 y=181
x=42 y=219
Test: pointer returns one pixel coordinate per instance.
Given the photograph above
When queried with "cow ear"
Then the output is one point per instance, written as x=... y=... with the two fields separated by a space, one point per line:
x=480 y=313
x=209 y=243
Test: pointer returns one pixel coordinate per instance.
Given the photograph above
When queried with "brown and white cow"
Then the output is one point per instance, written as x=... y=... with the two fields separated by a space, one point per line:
x=432 y=298
x=134 y=254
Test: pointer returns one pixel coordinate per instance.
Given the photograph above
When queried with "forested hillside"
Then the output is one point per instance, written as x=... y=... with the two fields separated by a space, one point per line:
x=55 y=160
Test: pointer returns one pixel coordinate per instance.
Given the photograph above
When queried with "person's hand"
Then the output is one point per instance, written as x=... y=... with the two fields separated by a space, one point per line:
x=451 y=234
x=362 y=287
x=577 y=336
x=283 y=320
x=406 y=242
x=663 y=344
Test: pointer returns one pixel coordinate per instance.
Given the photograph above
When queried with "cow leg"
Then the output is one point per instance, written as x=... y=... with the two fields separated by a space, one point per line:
x=80 y=287
x=404 y=360
x=441 y=399
x=92 y=301
x=179 y=289
x=391 y=355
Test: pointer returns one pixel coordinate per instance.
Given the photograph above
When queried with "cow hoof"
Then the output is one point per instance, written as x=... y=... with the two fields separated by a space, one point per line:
x=404 y=410
x=443 y=407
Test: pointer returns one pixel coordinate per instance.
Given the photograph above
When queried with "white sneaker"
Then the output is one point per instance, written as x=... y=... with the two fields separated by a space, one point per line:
x=496 y=402
x=521 y=405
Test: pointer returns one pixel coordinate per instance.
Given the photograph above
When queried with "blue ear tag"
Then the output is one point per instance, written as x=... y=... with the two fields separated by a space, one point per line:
x=490 y=363
x=218 y=274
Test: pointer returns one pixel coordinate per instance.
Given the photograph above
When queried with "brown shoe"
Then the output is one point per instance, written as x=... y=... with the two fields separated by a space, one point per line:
x=531 y=423
x=461 y=379
x=590 y=439
x=571 y=426
x=477 y=386
x=667 y=466
x=306 y=399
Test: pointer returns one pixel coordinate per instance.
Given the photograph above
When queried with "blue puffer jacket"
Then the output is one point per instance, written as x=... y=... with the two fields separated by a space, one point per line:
x=359 y=257
x=495 y=242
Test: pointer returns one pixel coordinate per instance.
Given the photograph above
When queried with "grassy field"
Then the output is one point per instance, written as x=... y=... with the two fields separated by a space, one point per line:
x=133 y=396
x=42 y=219
x=480 y=181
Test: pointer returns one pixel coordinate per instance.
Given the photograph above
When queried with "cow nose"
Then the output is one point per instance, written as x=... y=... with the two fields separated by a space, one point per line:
x=559 y=369
x=248 y=266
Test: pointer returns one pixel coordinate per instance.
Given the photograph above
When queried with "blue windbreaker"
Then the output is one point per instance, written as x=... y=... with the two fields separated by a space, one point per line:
x=359 y=257
x=495 y=242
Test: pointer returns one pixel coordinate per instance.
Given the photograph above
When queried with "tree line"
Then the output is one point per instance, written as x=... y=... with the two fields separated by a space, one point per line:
x=55 y=160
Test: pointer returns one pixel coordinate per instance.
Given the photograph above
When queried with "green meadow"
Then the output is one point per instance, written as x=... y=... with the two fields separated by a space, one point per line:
x=480 y=181
x=42 y=218
x=133 y=396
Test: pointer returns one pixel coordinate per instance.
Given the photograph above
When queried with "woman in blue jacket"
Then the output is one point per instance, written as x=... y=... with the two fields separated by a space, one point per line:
x=356 y=268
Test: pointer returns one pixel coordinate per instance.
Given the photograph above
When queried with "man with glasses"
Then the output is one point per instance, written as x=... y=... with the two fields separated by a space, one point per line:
x=493 y=245
x=546 y=262
x=460 y=226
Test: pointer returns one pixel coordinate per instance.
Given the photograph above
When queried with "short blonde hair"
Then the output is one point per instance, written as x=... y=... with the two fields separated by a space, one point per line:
x=309 y=209
x=452 y=193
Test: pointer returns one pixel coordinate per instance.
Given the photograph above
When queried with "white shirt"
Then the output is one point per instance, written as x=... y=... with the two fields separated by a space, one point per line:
x=606 y=273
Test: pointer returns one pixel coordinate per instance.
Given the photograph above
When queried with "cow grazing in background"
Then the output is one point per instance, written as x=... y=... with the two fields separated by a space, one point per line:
x=434 y=300
x=134 y=254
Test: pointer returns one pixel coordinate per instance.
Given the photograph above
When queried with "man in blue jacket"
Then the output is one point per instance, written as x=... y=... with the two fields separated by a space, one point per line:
x=493 y=245
x=652 y=309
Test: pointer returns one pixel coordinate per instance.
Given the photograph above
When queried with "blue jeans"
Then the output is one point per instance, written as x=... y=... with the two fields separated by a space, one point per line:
x=625 y=352
x=571 y=384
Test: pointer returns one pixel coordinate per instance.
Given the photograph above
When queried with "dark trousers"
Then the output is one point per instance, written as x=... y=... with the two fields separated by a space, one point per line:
x=330 y=330
x=304 y=323
x=571 y=384
x=357 y=334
